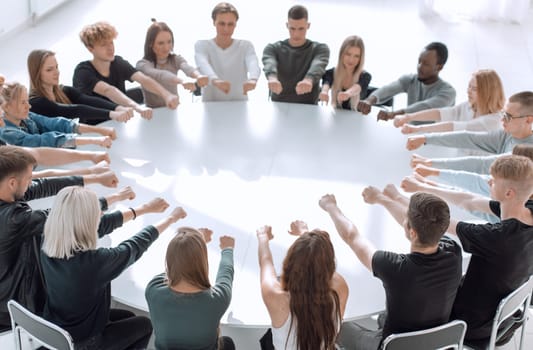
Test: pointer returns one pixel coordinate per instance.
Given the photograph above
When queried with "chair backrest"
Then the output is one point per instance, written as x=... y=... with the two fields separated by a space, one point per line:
x=51 y=335
x=446 y=336
x=518 y=300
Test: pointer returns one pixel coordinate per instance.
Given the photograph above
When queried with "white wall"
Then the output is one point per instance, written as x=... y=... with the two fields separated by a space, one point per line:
x=14 y=14
x=40 y=7
x=18 y=13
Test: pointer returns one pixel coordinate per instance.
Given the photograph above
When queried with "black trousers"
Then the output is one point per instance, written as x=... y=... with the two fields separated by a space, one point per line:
x=123 y=331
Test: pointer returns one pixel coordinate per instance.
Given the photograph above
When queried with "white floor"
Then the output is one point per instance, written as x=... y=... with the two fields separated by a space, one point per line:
x=393 y=32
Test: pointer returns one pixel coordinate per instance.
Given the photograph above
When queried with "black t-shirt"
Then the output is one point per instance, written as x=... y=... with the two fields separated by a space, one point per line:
x=86 y=76
x=495 y=207
x=502 y=259
x=420 y=288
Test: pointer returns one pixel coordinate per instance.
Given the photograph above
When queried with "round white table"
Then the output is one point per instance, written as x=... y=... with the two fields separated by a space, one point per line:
x=235 y=166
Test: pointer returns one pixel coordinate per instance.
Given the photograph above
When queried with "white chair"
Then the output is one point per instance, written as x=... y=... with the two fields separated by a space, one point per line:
x=47 y=333
x=515 y=308
x=6 y=340
x=446 y=336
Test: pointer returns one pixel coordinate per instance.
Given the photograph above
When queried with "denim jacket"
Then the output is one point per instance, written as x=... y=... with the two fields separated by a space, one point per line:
x=41 y=131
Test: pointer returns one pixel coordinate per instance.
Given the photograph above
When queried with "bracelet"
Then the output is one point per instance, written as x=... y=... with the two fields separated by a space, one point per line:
x=134 y=213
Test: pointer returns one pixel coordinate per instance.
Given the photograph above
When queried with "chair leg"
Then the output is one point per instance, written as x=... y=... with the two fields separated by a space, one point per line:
x=523 y=330
x=18 y=339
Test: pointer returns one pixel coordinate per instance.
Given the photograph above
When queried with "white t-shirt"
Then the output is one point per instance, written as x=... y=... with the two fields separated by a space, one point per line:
x=462 y=117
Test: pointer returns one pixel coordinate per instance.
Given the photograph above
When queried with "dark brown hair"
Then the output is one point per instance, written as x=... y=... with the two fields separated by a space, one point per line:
x=298 y=12
x=429 y=216
x=525 y=99
x=523 y=149
x=14 y=161
x=151 y=34
x=315 y=307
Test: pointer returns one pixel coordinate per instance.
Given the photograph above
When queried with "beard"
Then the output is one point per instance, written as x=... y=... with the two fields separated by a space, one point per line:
x=19 y=195
x=422 y=80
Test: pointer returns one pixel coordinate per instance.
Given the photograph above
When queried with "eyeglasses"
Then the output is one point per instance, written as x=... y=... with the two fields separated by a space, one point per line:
x=508 y=116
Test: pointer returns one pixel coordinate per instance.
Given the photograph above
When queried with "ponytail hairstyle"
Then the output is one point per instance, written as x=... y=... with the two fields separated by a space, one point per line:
x=151 y=34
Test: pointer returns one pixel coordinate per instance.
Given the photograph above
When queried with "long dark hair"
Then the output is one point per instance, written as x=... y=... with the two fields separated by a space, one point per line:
x=307 y=272
x=151 y=34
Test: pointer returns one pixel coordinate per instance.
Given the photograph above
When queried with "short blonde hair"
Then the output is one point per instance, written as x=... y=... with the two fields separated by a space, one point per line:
x=72 y=224
x=517 y=171
x=97 y=32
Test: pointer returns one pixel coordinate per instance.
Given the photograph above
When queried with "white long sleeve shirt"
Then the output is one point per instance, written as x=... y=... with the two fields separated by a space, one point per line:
x=236 y=64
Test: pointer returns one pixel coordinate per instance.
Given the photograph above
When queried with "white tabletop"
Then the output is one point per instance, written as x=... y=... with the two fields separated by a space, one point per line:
x=235 y=166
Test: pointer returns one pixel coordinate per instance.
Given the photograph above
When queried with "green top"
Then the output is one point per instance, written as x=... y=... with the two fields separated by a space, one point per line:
x=292 y=64
x=190 y=320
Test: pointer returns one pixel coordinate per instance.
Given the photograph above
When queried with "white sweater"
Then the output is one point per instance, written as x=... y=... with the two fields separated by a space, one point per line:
x=235 y=64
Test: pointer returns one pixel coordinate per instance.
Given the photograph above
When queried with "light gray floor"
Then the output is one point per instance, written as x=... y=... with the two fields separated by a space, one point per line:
x=393 y=32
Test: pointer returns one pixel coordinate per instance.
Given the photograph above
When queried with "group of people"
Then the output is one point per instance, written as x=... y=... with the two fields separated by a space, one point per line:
x=40 y=249
x=226 y=69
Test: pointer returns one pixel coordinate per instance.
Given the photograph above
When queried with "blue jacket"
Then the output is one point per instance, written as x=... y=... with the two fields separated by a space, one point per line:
x=41 y=131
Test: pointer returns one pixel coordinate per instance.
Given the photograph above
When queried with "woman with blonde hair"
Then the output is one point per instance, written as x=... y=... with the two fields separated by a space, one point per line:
x=348 y=81
x=78 y=275
x=306 y=305
x=184 y=308
x=48 y=156
x=481 y=112
x=25 y=128
x=49 y=98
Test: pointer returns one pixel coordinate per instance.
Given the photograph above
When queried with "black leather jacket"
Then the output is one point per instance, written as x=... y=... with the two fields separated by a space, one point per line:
x=21 y=228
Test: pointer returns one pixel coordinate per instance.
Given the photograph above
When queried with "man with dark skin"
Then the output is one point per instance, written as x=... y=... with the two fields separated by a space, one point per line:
x=424 y=90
